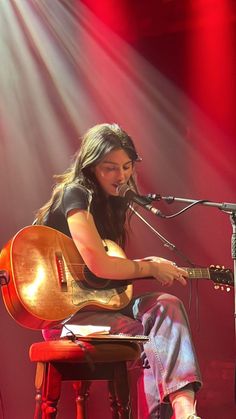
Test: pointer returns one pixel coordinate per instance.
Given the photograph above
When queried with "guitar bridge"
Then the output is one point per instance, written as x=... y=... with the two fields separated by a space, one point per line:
x=61 y=274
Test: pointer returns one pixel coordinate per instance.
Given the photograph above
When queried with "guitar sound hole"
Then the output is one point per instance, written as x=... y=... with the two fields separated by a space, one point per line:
x=92 y=281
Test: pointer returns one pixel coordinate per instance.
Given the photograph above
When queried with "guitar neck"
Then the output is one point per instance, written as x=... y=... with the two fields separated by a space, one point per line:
x=219 y=275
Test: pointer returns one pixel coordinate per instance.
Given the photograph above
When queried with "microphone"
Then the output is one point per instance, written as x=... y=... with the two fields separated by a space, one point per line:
x=125 y=191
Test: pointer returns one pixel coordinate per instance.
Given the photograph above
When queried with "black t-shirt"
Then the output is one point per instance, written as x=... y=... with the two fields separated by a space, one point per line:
x=74 y=197
x=77 y=197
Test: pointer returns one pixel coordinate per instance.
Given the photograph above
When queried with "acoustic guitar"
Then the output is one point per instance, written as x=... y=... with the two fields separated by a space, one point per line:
x=48 y=281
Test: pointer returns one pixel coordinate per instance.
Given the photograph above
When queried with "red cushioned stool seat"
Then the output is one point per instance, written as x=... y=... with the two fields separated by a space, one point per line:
x=82 y=362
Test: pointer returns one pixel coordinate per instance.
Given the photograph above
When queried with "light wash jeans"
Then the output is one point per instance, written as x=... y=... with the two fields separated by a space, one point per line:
x=168 y=358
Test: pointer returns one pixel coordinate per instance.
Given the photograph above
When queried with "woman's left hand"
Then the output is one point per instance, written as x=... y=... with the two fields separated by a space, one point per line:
x=168 y=271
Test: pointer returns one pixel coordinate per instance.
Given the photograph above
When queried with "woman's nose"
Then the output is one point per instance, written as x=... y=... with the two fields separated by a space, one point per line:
x=121 y=176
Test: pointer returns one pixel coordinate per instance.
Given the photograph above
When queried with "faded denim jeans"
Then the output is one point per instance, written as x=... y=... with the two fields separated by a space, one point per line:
x=168 y=358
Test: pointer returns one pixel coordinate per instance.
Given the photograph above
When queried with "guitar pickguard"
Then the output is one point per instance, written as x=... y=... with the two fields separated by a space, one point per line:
x=80 y=294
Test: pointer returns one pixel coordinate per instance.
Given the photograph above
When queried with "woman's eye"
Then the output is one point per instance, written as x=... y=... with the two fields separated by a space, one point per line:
x=113 y=168
x=109 y=169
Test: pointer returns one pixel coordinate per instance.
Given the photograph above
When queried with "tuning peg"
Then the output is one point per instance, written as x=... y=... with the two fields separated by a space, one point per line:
x=222 y=288
x=215 y=267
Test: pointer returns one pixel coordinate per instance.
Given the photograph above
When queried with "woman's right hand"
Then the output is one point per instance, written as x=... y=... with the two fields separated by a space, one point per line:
x=166 y=271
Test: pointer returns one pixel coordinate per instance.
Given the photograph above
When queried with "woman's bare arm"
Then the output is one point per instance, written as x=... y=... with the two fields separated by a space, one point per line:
x=90 y=246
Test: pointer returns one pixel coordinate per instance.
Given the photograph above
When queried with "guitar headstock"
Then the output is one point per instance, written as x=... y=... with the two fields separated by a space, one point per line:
x=222 y=277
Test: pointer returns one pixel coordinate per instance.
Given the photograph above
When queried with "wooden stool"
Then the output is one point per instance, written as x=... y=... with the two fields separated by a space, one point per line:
x=82 y=362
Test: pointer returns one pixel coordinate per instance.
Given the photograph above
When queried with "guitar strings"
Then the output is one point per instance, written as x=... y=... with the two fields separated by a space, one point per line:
x=200 y=272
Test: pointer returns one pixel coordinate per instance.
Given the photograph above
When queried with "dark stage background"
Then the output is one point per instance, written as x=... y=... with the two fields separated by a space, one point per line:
x=165 y=71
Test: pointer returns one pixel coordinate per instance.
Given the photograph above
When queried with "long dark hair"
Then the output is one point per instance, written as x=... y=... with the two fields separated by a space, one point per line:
x=110 y=211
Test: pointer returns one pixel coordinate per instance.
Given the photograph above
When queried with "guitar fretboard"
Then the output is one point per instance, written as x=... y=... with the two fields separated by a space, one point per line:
x=198 y=272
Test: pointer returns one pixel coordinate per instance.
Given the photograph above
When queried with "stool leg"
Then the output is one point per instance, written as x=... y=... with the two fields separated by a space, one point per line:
x=121 y=387
x=113 y=400
x=82 y=393
x=39 y=377
x=51 y=392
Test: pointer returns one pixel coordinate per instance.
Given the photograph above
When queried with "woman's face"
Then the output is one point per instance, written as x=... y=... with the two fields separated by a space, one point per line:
x=114 y=170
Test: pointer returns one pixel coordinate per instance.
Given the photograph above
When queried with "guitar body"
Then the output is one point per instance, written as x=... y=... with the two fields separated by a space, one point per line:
x=48 y=280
